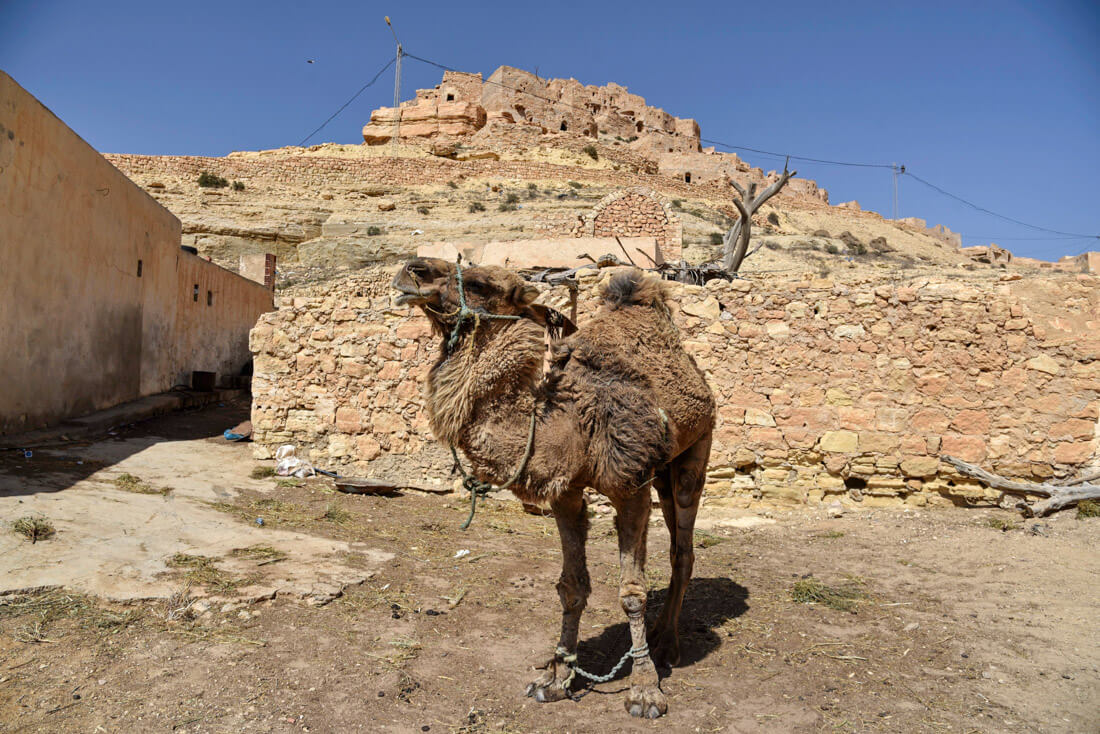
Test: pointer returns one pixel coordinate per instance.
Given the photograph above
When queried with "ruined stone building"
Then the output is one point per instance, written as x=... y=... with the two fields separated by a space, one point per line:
x=99 y=303
x=523 y=107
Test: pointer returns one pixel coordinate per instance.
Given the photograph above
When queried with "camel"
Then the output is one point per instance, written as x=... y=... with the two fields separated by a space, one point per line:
x=621 y=407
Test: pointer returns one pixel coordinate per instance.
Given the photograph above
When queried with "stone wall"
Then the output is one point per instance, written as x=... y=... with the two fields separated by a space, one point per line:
x=825 y=389
x=636 y=212
x=99 y=305
x=301 y=171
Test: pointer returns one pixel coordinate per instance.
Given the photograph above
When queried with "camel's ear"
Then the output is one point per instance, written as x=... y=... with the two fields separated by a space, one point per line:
x=524 y=295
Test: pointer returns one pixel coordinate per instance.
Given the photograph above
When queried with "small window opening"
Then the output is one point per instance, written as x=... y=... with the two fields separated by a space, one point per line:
x=195 y=293
x=687 y=177
x=450 y=98
x=563 y=127
x=521 y=111
x=855 y=483
x=139 y=268
x=640 y=127
x=210 y=298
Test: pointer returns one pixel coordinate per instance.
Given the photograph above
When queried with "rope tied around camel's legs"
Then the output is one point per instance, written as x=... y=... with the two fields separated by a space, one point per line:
x=570 y=659
x=477 y=488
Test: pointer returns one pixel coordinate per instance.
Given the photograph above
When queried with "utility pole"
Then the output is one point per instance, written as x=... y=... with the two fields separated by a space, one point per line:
x=396 y=90
x=897 y=171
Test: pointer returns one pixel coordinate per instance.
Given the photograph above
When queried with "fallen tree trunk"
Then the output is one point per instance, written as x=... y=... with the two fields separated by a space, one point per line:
x=1058 y=496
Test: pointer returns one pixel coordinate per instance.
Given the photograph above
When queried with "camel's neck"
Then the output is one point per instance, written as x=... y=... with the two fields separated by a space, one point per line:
x=490 y=376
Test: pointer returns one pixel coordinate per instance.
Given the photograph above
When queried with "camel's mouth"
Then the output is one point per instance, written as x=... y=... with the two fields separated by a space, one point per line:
x=415 y=283
x=409 y=296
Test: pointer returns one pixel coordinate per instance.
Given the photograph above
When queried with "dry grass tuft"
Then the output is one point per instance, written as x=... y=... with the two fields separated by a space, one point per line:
x=44 y=608
x=1000 y=523
x=1088 y=508
x=335 y=513
x=843 y=597
x=130 y=483
x=202 y=571
x=258 y=553
x=33 y=528
x=704 y=539
x=262 y=472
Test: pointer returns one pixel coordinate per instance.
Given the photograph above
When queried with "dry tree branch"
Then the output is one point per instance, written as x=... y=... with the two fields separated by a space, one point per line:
x=736 y=241
x=1058 y=496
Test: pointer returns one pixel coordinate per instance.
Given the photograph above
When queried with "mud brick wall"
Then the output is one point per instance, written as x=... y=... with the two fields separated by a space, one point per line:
x=824 y=389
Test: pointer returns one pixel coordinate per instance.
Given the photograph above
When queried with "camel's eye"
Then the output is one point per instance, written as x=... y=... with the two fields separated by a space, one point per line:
x=476 y=286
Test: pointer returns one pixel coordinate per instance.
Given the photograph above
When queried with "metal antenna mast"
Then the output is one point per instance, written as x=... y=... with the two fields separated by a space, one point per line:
x=396 y=90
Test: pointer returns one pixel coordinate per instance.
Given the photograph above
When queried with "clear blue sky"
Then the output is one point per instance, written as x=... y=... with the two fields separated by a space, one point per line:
x=996 y=101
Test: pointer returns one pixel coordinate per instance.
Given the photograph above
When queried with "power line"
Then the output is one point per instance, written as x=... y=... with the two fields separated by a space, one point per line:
x=1023 y=239
x=982 y=209
x=799 y=157
x=344 y=106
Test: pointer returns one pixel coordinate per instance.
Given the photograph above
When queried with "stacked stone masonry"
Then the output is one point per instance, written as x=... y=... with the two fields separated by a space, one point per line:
x=824 y=390
x=637 y=212
x=396 y=171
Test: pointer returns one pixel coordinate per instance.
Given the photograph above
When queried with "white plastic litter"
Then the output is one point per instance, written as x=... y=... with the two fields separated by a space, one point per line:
x=417 y=231
x=290 y=465
x=462 y=553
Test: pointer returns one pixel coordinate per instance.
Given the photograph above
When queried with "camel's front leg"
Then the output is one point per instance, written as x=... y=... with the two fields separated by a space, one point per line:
x=632 y=522
x=573 y=589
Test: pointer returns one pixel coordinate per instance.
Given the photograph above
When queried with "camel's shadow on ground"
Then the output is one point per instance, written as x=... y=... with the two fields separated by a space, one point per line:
x=708 y=604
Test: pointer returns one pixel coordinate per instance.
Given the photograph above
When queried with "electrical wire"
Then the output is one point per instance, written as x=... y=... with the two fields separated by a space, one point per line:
x=982 y=209
x=344 y=106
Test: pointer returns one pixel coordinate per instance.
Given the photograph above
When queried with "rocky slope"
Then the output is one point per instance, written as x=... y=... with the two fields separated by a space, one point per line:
x=473 y=164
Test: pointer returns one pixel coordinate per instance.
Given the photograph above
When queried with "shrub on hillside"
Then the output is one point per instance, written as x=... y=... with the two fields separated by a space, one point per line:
x=209 y=180
x=238 y=186
x=373 y=231
x=591 y=152
x=716 y=238
x=477 y=206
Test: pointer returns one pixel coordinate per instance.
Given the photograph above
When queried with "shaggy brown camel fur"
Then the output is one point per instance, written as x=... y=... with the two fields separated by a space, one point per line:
x=622 y=406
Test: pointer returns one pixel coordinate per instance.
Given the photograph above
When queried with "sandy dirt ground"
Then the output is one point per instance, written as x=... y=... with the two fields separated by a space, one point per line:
x=957 y=625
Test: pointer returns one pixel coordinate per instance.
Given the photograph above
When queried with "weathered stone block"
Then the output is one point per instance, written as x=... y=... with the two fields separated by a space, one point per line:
x=839 y=442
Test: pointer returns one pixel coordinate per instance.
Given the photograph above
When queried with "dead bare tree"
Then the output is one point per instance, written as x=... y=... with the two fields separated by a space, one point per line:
x=736 y=242
x=1058 y=495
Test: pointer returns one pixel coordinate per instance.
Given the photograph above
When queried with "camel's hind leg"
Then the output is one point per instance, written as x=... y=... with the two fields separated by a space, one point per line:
x=574 y=587
x=632 y=523
x=680 y=493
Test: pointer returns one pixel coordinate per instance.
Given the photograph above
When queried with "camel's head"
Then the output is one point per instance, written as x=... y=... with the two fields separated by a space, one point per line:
x=432 y=284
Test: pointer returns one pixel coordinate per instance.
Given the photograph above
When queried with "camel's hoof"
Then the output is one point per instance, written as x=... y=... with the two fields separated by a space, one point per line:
x=646 y=701
x=546 y=688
